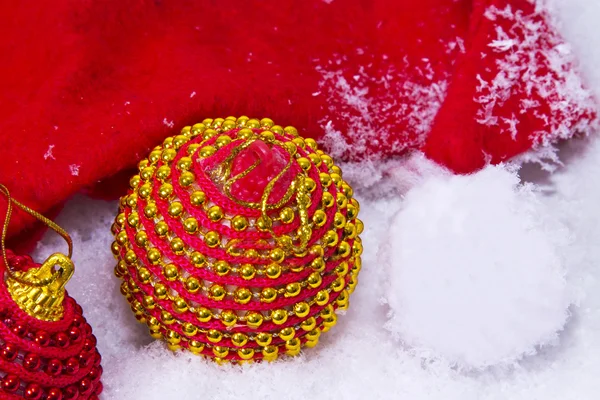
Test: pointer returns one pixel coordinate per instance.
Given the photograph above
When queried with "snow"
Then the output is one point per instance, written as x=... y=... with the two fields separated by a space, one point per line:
x=360 y=358
x=476 y=270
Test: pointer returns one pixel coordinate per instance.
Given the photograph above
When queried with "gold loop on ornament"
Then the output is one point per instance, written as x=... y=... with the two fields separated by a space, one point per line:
x=38 y=291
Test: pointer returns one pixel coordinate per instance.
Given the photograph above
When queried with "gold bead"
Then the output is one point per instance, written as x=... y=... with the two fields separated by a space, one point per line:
x=314 y=280
x=251 y=253
x=319 y=218
x=290 y=130
x=253 y=123
x=154 y=255
x=197 y=198
x=270 y=353
x=161 y=228
x=278 y=130
x=216 y=292
x=318 y=264
x=165 y=191
x=195 y=346
x=359 y=226
x=177 y=245
x=245 y=353
x=145 y=190
x=347 y=190
x=298 y=141
x=144 y=275
x=286 y=215
x=186 y=178
x=163 y=172
x=150 y=210
x=170 y=272
x=154 y=156
x=339 y=221
x=221 y=267
x=263 y=339
x=215 y=213
x=325 y=179
x=350 y=231
x=342 y=201
x=330 y=238
x=207 y=121
x=116 y=250
x=261 y=224
x=292 y=289
x=228 y=125
x=189 y=329
x=192 y=284
x=198 y=259
x=266 y=123
x=168 y=155
x=222 y=141
x=254 y=319
x=292 y=347
x=342 y=300
x=338 y=284
x=239 y=339
x=327 y=200
x=175 y=209
x=190 y=225
x=311 y=143
x=304 y=163
x=279 y=316
x=130 y=257
x=132 y=200
x=331 y=321
x=166 y=318
x=327 y=311
x=121 y=238
x=173 y=337
x=247 y=271
x=291 y=147
x=315 y=159
x=322 y=297
x=141 y=238
x=343 y=250
x=342 y=268
x=301 y=309
x=327 y=160
x=268 y=295
x=273 y=271
x=277 y=255
x=357 y=247
x=147 y=173
x=184 y=163
x=287 y=333
x=308 y=324
x=133 y=219
x=228 y=318
x=180 y=305
x=214 y=336
x=153 y=323
x=242 y=295
x=268 y=136
x=239 y=223
x=121 y=269
x=207 y=151
x=217 y=122
x=203 y=314
x=351 y=211
x=134 y=181
x=160 y=291
x=212 y=239
x=245 y=133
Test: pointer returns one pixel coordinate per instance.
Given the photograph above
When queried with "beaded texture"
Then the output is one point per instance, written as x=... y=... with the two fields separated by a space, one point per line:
x=51 y=360
x=237 y=279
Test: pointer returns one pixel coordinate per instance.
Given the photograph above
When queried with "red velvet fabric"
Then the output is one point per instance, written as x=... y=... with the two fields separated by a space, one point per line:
x=87 y=88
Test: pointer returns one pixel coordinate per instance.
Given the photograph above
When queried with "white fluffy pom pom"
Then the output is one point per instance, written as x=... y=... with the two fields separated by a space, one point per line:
x=476 y=275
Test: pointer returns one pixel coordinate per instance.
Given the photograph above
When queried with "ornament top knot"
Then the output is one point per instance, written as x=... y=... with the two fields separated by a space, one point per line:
x=238 y=240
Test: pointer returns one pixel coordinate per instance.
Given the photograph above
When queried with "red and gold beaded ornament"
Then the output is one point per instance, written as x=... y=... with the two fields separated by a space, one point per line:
x=238 y=240
x=47 y=349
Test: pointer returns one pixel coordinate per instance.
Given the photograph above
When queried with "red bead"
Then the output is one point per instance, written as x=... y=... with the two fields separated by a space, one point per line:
x=90 y=343
x=61 y=339
x=8 y=352
x=54 y=367
x=95 y=374
x=77 y=320
x=78 y=309
x=42 y=338
x=10 y=383
x=20 y=330
x=85 y=387
x=33 y=391
x=70 y=393
x=85 y=360
x=75 y=334
x=99 y=388
x=54 y=394
x=31 y=362
x=72 y=366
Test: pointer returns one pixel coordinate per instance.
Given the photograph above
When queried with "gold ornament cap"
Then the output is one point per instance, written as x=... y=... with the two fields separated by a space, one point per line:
x=40 y=291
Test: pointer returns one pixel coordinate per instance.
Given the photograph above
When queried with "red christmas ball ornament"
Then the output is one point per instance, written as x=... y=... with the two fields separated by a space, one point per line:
x=43 y=333
x=238 y=240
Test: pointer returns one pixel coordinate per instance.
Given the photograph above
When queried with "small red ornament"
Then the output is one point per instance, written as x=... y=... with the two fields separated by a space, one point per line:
x=238 y=240
x=48 y=350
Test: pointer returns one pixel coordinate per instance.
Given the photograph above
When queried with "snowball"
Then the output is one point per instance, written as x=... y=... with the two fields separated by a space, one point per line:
x=476 y=276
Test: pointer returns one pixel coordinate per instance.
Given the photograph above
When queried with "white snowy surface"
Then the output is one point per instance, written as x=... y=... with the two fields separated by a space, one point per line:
x=360 y=358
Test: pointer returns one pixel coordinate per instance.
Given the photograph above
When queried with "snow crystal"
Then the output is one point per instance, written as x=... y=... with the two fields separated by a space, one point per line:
x=476 y=275
x=48 y=153
x=168 y=123
x=74 y=168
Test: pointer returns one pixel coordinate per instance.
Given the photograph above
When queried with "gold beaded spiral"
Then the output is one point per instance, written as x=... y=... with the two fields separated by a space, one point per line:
x=232 y=279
